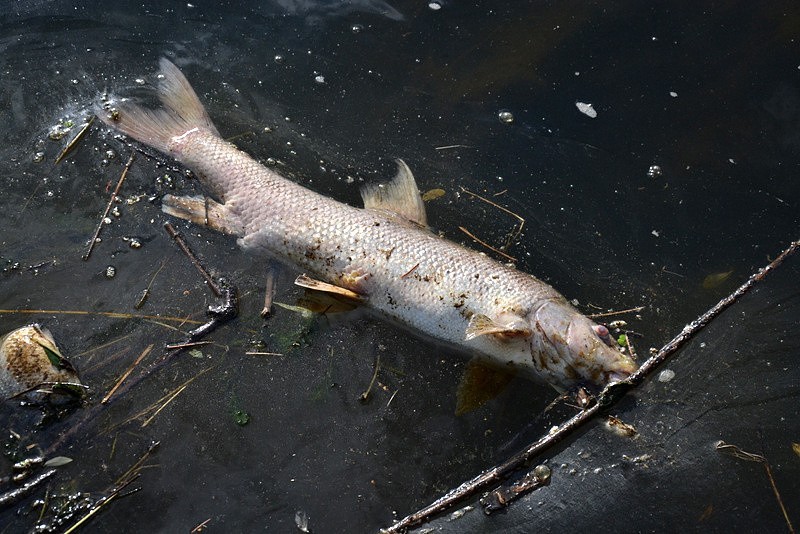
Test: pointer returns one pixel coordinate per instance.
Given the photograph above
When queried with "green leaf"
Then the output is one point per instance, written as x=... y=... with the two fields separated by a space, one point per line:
x=55 y=358
x=241 y=418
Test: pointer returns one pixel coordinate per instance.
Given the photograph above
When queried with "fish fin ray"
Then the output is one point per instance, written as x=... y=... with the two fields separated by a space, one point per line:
x=480 y=384
x=322 y=297
x=204 y=212
x=307 y=282
x=181 y=113
x=507 y=325
x=399 y=196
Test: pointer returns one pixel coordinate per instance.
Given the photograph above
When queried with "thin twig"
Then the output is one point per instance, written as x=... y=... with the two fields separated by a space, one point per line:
x=113 y=315
x=737 y=452
x=146 y=292
x=487 y=245
x=518 y=217
x=175 y=235
x=100 y=504
x=125 y=375
x=411 y=270
x=364 y=397
x=108 y=207
x=448 y=147
x=174 y=346
x=615 y=312
x=608 y=397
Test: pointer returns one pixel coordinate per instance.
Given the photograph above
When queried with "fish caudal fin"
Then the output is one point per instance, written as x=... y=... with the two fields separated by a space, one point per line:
x=182 y=112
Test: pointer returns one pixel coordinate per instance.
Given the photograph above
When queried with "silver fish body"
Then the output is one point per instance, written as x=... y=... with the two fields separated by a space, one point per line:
x=383 y=253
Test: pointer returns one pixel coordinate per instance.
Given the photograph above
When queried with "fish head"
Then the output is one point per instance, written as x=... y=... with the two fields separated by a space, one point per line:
x=569 y=349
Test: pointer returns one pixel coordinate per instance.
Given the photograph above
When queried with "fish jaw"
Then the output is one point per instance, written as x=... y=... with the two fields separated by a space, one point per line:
x=569 y=352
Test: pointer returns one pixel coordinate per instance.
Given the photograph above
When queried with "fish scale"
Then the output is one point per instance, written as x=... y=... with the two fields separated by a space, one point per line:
x=384 y=252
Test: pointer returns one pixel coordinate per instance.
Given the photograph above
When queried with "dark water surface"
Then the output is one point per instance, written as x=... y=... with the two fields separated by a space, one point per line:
x=333 y=91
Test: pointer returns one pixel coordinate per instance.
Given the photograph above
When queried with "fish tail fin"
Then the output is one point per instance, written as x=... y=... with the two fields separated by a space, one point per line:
x=181 y=113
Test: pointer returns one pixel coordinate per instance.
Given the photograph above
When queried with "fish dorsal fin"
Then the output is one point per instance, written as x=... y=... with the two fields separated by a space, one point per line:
x=399 y=196
x=505 y=325
x=480 y=384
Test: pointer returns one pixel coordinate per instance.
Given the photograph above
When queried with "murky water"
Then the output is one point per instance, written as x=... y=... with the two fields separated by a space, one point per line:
x=482 y=97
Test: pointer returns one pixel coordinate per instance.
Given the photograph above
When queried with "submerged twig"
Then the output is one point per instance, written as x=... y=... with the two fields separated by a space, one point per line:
x=178 y=238
x=609 y=396
x=487 y=245
x=108 y=207
x=518 y=217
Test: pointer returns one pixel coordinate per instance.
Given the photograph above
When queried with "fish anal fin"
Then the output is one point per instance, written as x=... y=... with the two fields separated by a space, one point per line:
x=204 y=212
x=506 y=325
x=400 y=196
x=323 y=297
x=480 y=384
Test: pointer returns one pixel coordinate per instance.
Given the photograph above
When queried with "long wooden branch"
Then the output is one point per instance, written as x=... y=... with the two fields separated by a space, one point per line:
x=608 y=397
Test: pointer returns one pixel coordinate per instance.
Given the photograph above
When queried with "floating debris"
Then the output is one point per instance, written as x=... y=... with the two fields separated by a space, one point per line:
x=301 y=520
x=666 y=375
x=29 y=358
x=586 y=109
x=505 y=116
x=432 y=194
x=715 y=280
x=654 y=171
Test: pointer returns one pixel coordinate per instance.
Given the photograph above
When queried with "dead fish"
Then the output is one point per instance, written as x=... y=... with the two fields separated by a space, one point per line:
x=382 y=256
x=29 y=358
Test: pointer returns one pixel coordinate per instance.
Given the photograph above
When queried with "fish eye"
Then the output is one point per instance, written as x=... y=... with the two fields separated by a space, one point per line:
x=602 y=332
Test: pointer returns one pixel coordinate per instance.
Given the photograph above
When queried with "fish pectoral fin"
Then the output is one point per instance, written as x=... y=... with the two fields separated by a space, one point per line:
x=480 y=384
x=505 y=326
x=322 y=297
x=204 y=212
x=399 y=196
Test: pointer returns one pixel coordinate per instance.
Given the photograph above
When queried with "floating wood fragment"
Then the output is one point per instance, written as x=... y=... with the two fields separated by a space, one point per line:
x=75 y=140
x=269 y=292
x=108 y=207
